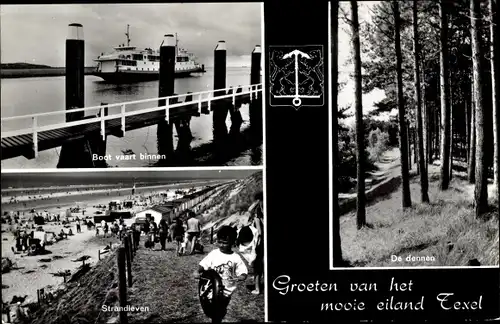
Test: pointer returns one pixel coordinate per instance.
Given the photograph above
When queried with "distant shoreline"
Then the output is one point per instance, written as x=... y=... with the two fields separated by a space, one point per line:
x=37 y=72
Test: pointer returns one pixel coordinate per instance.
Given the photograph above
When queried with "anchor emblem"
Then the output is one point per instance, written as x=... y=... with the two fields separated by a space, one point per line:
x=312 y=74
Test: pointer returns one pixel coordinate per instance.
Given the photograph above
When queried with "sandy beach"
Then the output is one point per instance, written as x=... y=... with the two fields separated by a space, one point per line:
x=29 y=273
x=24 y=203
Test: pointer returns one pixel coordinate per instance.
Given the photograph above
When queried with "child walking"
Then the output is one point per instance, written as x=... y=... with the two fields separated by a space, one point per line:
x=227 y=264
x=177 y=234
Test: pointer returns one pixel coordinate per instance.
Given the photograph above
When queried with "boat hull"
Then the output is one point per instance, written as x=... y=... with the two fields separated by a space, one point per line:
x=139 y=76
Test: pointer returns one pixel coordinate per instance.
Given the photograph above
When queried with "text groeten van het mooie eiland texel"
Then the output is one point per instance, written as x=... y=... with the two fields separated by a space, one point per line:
x=284 y=285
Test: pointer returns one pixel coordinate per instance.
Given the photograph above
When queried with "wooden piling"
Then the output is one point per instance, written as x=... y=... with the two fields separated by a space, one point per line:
x=255 y=110
x=99 y=254
x=76 y=154
x=236 y=119
x=182 y=125
x=97 y=142
x=220 y=109
x=122 y=284
x=212 y=235
x=128 y=258
x=166 y=88
x=75 y=71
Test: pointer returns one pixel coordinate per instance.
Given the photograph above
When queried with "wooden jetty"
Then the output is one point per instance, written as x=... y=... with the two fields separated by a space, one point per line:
x=82 y=137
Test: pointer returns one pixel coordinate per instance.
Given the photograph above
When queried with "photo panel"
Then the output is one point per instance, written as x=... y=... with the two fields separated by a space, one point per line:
x=133 y=246
x=419 y=222
x=131 y=85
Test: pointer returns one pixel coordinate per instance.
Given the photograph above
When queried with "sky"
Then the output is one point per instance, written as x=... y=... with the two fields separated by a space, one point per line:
x=37 y=33
x=346 y=96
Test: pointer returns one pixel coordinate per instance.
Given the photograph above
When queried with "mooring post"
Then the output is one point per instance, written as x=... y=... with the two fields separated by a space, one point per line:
x=128 y=258
x=99 y=254
x=255 y=109
x=236 y=119
x=166 y=88
x=97 y=141
x=182 y=125
x=8 y=315
x=75 y=154
x=219 y=107
x=75 y=72
x=122 y=284
x=212 y=235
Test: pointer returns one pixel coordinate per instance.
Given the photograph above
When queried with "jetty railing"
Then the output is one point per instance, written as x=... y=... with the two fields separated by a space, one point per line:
x=202 y=96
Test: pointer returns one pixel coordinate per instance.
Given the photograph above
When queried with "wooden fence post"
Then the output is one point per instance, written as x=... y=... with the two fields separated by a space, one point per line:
x=122 y=284
x=130 y=247
x=129 y=260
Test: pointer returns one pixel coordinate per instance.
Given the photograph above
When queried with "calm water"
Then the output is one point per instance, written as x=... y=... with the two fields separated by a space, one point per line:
x=30 y=95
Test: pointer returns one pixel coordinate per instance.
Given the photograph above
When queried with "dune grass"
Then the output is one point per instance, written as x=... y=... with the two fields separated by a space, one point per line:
x=164 y=282
x=445 y=231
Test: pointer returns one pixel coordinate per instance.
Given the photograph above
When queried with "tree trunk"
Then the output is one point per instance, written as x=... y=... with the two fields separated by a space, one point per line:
x=438 y=134
x=418 y=100
x=337 y=248
x=408 y=132
x=360 y=138
x=494 y=82
x=481 y=189
x=426 y=128
x=451 y=137
x=415 y=148
x=445 y=100
x=406 y=196
x=467 y=128
x=471 y=171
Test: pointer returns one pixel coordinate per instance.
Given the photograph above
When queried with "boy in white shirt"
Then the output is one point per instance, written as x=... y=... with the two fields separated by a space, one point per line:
x=227 y=264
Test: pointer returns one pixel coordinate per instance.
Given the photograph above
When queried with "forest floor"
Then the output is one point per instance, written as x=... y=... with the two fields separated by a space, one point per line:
x=386 y=167
x=442 y=233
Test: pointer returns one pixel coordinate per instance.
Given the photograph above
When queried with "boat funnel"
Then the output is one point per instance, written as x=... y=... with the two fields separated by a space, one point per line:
x=75 y=31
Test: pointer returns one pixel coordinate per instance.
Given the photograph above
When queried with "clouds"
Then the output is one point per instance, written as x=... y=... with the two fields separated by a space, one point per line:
x=37 y=33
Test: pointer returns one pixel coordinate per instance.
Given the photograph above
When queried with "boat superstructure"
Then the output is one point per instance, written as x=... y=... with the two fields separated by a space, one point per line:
x=128 y=63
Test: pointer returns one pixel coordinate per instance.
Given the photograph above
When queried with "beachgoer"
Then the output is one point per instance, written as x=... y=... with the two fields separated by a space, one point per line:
x=154 y=226
x=177 y=234
x=227 y=264
x=163 y=233
x=258 y=264
x=193 y=229
x=146 y=227
x=106 y=229
x=78 y=228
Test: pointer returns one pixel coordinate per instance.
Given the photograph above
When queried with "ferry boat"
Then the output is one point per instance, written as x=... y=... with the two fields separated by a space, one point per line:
x=130 y=64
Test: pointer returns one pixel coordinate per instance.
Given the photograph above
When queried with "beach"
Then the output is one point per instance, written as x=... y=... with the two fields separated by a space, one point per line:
x=29 y=273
